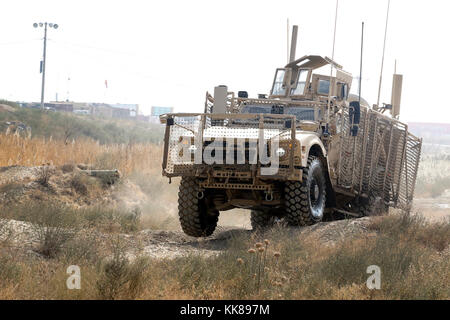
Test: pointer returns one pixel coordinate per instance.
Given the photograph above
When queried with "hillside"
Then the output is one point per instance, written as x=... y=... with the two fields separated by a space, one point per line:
x=65 y=126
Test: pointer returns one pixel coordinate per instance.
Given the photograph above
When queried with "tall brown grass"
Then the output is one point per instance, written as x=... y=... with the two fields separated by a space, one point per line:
x=23 y=151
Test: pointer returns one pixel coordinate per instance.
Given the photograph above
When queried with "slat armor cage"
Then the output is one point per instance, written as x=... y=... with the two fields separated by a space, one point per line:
x=381 y=161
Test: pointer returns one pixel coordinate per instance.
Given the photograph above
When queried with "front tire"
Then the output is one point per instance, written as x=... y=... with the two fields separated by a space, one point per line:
x=196 y=219
x=305 y=201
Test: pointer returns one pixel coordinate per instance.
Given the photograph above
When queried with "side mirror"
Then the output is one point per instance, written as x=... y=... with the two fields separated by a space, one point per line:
x=355 y=116
x=242 y=94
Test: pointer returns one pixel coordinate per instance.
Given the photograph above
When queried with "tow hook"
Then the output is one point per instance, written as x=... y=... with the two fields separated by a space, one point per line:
x=269 y=196
x=200 y=195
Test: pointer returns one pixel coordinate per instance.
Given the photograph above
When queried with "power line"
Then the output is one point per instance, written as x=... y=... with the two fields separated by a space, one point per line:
x=18 y=42
x=97 y=48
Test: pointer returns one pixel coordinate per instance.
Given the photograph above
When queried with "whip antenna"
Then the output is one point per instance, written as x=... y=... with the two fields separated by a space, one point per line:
x=287 y=42
x=331 y=64
x=382 y=59
x=361 y=62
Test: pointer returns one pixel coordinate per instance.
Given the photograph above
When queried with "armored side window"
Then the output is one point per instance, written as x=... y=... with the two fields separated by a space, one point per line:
x=343 y=90
x=323 y=87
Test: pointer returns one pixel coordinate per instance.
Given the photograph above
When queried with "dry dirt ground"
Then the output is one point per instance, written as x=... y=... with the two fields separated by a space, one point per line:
x=172 y=244
x=434 y=208
x=67 y=184
x=20 y=184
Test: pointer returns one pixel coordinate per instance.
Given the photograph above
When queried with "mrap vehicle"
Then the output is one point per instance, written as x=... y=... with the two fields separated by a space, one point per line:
x=307 y=152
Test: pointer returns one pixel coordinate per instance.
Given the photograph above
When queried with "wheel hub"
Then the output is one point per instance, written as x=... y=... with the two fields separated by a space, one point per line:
x=316 y=192
x=314 y=198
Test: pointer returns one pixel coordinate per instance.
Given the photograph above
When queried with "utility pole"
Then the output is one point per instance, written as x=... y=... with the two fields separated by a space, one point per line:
x=43 y=66
x=43 y=63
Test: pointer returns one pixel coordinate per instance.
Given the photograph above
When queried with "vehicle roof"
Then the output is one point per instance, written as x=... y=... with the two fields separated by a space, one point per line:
x=312 y=62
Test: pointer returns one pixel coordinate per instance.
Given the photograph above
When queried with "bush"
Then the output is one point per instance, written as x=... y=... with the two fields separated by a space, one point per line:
x=45 y=173
x=120 y=278
x=53 y=228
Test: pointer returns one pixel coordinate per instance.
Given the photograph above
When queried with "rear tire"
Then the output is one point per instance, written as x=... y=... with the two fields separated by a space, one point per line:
x=305 y=201
x=261 y=220
x=196 y=219
x=374 y=206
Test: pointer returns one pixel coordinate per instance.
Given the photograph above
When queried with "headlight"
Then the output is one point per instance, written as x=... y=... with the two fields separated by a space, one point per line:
x=280 y=152
x=192 y=149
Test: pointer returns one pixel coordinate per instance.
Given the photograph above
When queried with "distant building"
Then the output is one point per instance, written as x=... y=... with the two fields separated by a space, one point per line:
x=33 y=105
x=59 y=106
x=157 y=111
x=118 y=110
x=85 y=112
x=133 y=109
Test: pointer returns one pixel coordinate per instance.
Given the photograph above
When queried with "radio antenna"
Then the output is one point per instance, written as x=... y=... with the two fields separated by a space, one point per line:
x=382 y=59
x=287 y=42
x=361 y=62
x=332 y=61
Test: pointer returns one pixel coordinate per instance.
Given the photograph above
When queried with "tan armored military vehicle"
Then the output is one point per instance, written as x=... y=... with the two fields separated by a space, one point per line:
x=308 y=151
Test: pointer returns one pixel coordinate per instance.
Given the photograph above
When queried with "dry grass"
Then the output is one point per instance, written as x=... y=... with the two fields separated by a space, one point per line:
x=141 y=163
x=286 y=267
x=17 y=150
x=413 y=255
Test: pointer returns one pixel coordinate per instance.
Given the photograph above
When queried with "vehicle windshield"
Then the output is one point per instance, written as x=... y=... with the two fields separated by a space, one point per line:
x=257 y=109
x=301 y=113
x=301 y=83
x=278 y=88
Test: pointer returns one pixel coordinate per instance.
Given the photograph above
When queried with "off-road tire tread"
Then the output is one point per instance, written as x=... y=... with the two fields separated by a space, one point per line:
x=296 y=199
x=194 y=219
x=261 y=220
